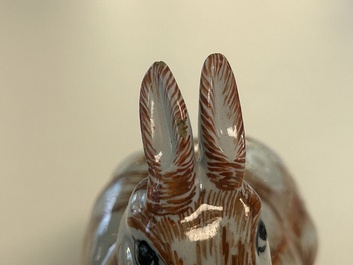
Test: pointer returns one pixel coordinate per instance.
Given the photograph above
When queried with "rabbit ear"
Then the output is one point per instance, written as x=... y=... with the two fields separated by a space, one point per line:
x=221 y=130
x=168 y=143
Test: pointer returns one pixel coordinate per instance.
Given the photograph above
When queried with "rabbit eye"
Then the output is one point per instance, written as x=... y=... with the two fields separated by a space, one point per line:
x=145 y=254
x=261 y=238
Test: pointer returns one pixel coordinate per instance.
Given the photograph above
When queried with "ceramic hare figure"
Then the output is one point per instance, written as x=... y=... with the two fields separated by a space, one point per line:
x=224 y=200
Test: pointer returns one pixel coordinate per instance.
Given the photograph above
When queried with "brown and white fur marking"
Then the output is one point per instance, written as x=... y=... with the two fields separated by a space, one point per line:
x=205 y=203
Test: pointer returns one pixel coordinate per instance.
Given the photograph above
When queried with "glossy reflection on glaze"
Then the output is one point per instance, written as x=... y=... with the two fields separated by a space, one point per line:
x=195 y=203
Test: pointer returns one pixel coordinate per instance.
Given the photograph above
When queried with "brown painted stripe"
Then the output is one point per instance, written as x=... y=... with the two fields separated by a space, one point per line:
x=225 y=169
x=170 y=189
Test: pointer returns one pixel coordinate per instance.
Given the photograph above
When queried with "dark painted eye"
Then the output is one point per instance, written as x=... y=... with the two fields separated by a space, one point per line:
x=145 y=254
x=261 y=238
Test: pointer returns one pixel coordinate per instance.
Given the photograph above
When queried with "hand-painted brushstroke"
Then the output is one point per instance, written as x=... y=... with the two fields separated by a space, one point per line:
x=226 y=200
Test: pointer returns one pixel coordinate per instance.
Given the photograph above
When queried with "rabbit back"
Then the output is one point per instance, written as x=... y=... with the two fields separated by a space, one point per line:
x=291 y=233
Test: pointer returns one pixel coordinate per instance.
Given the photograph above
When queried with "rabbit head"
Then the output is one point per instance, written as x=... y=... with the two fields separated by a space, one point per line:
x=194 y=208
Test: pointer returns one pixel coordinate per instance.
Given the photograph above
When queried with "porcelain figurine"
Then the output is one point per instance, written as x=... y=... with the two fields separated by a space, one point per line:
x=224 y=199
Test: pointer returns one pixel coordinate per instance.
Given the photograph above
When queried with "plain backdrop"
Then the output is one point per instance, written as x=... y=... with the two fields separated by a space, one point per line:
x=70 y=73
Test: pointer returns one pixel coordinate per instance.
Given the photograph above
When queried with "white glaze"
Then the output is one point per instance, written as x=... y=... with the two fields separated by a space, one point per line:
x=214 y=215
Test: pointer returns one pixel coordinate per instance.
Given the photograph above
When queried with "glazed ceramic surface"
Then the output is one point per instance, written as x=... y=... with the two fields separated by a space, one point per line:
x=225 y=199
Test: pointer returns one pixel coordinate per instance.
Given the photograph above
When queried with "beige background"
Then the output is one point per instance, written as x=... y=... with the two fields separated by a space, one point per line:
x=70 y=73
